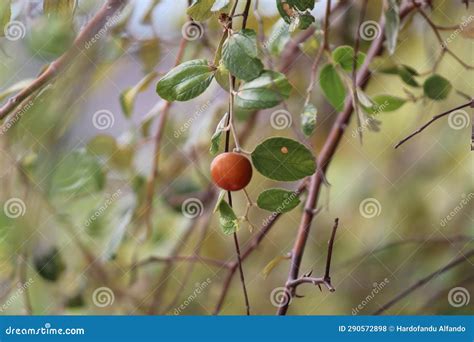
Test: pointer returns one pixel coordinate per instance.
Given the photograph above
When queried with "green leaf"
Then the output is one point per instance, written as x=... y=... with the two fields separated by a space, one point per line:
x=392 y=25
x=49 y=265
x=227 y=219
x=77 y=174
x=216 y=137
x=385 y=103
x=240 y=55
x=308 y=119
x=127 y=97
x=220 y=198
x=60 y=8
x=274 y=263
x=222 y=76
x=102 y=145
x=344 y=56
x=436 y=87
x=301 y=5
x=283 y=159
x=278 y=200
x=200 y=10
x=5 y=15
x=279 y=36
x=406 y=73
x=149 y=54
x=332 y=86
x=266 y=91
x=186 y=81
x=219 y=5
x=364 y=99
x=119 y=224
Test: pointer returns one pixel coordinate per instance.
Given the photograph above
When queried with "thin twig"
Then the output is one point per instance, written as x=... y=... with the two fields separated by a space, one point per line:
x=230 y=121
x=433 y=119
x=23 y=275
x=107 y=11
x=317 y=60
x=330 y=247
x=150 y=190
x=435 y=29
x=354 y=69
x=182 y=258
x=442 y=240
x=421 y=282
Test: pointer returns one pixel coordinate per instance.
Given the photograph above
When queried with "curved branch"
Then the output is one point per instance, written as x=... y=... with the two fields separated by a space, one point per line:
x=97 y=23
x=443 y=240
x=433 y=119
x=454 y=263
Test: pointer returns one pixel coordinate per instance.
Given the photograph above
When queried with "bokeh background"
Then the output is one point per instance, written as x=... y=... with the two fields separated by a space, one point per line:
x=80 y=185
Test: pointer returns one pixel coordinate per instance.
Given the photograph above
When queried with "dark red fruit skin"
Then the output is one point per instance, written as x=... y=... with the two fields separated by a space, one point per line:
x=231 y=171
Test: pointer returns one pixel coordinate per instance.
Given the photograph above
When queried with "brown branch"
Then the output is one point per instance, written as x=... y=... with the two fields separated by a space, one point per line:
x=421 y=282
x=317 y=60
x=189 y=271
x=183 y=258
x=162 y=282
x=435 y=29
x=326 y=280
x=97 y=23
x=330 y=247
x=150 y=190
x=433 y=119
x=292 y=48
x=326 y=155
x=442 y=240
